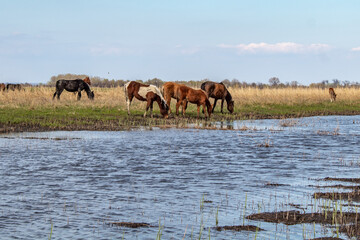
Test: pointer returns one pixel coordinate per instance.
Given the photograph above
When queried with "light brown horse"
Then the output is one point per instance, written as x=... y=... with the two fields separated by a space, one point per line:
x=170 y=90
x=332 y=95
x=218 y=91
x=196 y=96
x=2 y=87
x=148 y=93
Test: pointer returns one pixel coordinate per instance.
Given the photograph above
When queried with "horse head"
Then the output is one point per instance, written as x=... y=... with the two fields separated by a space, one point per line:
x=164 y=109
x=91 y=95
x=230 y=106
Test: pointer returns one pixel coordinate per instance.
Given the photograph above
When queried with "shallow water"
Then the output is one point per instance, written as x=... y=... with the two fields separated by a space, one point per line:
x=81 y=181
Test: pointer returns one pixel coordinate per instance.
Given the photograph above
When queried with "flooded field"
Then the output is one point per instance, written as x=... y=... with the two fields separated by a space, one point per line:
x=176 y=183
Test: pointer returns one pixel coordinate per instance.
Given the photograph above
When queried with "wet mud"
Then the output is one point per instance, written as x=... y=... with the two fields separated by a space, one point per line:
x=239 y=228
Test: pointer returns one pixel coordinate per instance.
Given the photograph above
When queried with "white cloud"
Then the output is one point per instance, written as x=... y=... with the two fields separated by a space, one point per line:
x=356 y=49
x=282 y=47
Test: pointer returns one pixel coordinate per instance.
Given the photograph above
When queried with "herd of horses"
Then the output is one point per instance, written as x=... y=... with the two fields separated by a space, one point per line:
x=10 y=86
x=150 y=93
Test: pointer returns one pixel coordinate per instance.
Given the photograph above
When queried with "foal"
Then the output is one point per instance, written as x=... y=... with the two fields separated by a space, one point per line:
x=148 y=93
x=332 y=95
x=196 y=96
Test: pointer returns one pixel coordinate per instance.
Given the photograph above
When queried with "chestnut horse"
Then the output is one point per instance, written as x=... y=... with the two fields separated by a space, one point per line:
x=143 y=92
x=332 y=95
x=87 y=80
x=218 y=91
x=2 y=87
x=186 y=94
x=170 y=90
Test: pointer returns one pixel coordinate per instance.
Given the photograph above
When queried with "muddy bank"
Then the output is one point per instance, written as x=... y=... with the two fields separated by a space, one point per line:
x=40 y=123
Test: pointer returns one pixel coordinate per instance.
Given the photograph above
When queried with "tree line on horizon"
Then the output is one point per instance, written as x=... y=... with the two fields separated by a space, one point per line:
x=274 y=82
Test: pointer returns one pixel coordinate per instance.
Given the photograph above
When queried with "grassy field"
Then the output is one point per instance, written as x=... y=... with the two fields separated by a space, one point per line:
x=34 y=109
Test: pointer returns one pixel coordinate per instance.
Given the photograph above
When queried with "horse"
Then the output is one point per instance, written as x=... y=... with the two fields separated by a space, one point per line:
x=13 y=87
x=218 y=91
x=87 y=80
x=169 y=90
x=148 y=93
x=2 y=87
x=197 y=96
x=332 y=95
x=76 y=85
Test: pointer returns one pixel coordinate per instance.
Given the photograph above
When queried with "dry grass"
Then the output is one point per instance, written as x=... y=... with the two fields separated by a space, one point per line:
x=290 y=96
x=114 y=97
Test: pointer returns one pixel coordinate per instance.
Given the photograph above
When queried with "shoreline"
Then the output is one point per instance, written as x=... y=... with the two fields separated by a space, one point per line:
x=126 y=123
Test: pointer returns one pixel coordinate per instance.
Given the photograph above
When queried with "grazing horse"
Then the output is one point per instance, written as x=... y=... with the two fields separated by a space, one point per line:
x=13 y=87
x=197 y=96
x=73 y=86
x=218 y=91
x=2 y=87
x=148 y=93
x=87 y=80
x=170 y=90
x=332 y=95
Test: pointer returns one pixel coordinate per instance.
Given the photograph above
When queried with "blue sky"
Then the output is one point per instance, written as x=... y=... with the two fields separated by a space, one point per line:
x=252 y=41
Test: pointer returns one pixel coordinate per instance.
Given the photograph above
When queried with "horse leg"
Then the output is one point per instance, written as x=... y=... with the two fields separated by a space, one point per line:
x=198 y=110
x=213 y=108
x=151 y=108
x=177 y=106
x=184 y=105
x=59 y=93
x=222 y=104
x=147 y=106
x=79 y=95
x=53 y=95
x=128 y=103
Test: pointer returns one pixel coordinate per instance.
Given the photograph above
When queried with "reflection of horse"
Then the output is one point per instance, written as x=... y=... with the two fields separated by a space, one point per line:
x=218 y=91
x=149 y=93
x=2 y=87
x=13 y=87
x=73 y=86
x=332 y=95
x=197 y=96
x=169 y=90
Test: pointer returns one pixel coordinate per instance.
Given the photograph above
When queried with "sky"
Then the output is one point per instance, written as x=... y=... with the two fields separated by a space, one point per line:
x=306 y=41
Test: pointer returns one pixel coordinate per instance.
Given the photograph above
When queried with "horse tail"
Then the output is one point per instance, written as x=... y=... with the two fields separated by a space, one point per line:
x=126 y=91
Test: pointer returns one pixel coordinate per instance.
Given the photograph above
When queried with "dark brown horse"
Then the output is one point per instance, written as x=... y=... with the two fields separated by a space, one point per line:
x=196 y=96
x=218 y=91
x=170 y=90
x=73 y=86
x=13 y=87
x=148 y=93
x=2 y=87
x=332 y=95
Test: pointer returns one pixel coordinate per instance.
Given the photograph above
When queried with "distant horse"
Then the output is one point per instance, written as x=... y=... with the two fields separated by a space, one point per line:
x=87 y=80
x=73 y=86
x=218 y=91
x=170 y=90
x=196 y=96
x=332 y=95
x=13 y=87
x=2 y=87
x=148 y=93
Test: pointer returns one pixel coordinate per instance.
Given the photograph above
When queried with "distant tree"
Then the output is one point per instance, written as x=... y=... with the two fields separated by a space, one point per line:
x=155 y=81
x=294 y=84
x=226 y=82
x=274 y=81
x=235 y=83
